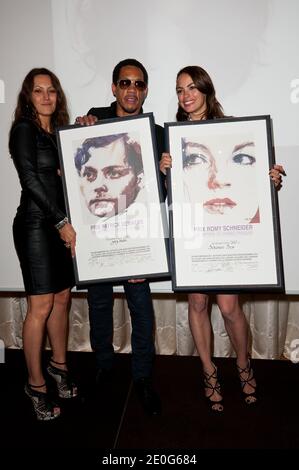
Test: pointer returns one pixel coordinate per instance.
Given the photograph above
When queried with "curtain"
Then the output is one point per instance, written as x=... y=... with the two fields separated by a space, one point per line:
x=274 y=325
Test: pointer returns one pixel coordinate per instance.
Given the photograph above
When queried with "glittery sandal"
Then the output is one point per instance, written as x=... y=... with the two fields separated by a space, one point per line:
x=65 y=385
x=45 y=409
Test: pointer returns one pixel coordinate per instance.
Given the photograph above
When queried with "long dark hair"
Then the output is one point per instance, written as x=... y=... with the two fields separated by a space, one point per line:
x=25 y=108
x=204 y=84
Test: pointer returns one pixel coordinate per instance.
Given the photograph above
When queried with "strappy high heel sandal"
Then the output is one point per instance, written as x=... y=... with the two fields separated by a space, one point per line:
x=216 y=406
x=65 y=385
x=45 y=409
x=246 y=377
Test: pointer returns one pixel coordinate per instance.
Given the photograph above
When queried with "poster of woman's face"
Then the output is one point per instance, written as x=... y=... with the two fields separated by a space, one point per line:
x=219 y=174
x=224 y=228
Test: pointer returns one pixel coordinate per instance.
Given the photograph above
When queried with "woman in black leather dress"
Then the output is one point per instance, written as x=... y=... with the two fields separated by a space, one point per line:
x=43 y=237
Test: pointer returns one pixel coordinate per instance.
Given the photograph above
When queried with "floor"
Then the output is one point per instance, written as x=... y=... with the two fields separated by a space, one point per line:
x=110 y=422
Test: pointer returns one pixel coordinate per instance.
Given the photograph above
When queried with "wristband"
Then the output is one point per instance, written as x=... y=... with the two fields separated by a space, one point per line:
x=62 y=223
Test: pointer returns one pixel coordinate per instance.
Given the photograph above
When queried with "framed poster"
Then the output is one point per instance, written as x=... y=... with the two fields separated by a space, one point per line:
x=223 y=208
x=114 y=199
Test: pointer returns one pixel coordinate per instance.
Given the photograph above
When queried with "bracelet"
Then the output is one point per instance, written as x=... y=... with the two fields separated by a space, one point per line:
x=62 y=223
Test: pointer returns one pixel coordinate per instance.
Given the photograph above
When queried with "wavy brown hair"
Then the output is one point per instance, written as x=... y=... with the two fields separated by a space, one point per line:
x=204 y=84
x=25 y=108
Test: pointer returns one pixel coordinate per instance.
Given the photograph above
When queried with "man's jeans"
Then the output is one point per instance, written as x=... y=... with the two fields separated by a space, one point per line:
x=100 y=302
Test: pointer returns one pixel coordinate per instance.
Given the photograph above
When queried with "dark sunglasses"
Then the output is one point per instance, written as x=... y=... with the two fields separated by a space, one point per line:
x=126 y=83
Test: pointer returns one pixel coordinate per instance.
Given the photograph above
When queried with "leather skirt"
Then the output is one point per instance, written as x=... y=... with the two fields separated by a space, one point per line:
x=45 y=262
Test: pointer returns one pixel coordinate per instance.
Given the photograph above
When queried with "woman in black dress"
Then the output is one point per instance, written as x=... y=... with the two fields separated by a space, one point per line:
x=43 y=237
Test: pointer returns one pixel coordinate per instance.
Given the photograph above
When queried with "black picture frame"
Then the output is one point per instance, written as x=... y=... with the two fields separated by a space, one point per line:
x=224 y=227
x=116 y=207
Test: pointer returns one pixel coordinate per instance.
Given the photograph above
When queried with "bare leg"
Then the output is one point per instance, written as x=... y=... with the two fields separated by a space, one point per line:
x=34 y=328
x=57 y=327
x=201 y=330
x=58 y=335
x=237 y=329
